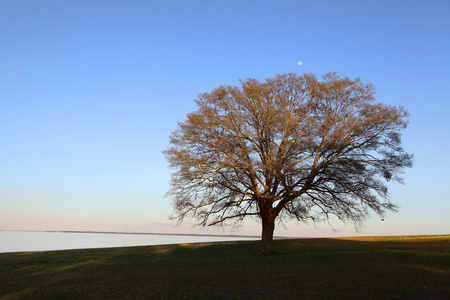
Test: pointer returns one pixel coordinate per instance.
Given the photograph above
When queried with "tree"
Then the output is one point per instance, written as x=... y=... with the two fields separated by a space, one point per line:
x=289 y=147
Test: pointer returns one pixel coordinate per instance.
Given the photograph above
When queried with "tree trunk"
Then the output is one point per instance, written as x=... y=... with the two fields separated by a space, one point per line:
x=268 y=226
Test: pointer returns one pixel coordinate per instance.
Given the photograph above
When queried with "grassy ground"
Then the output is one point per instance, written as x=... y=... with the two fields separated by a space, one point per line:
x=415 y=267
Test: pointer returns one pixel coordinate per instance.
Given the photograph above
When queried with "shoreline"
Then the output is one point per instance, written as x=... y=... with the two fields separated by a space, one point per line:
x=219 y=235
x=143 y=233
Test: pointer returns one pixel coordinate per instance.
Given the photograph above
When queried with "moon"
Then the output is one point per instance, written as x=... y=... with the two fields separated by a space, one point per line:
x=299 y=63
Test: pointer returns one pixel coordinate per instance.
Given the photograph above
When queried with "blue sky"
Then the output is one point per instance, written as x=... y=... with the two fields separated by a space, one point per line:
x=90 y=91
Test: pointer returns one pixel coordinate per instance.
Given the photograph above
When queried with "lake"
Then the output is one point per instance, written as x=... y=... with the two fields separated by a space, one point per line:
x=21 y=241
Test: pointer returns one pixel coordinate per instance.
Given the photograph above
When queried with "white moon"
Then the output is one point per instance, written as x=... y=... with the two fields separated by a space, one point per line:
x=299 y=63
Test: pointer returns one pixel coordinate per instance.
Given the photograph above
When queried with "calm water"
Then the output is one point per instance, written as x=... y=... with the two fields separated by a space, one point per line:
x=17 y=241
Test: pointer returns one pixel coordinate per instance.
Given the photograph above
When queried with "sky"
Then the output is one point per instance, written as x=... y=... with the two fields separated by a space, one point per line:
x=90 y=91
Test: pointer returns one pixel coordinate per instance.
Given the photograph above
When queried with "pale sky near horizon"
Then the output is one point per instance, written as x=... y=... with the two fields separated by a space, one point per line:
x=90 y=91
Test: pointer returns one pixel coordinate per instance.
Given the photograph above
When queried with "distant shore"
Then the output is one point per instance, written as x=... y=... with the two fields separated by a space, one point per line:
x=214 y=235
x=159 y=233
x=146 y=233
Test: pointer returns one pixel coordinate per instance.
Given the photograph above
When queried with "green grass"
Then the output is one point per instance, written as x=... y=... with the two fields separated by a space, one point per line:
x=411 y=267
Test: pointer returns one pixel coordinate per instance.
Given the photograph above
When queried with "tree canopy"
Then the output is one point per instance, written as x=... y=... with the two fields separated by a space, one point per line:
x=291 y=146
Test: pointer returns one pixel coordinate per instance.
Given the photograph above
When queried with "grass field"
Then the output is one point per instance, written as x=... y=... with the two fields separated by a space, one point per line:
x=410 y=267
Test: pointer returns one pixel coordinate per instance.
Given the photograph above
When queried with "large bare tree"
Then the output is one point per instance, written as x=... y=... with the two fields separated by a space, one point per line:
x=289 y=147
